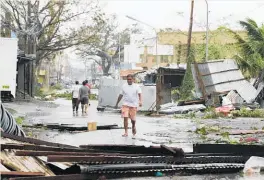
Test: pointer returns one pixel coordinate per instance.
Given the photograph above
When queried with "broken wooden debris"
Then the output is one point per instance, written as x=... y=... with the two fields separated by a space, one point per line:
x=71 y=127
x=47 y=153
x=34 y=141
x=40 y=148
x=21 y=174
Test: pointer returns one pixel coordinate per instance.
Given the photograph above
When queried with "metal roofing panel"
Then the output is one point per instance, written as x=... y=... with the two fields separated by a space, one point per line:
x=222 y=77
x=243 y=87
x=217 y=66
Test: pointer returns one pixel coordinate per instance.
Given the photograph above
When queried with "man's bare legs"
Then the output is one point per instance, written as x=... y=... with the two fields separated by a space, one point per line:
x=126 y=126
x=134 y=130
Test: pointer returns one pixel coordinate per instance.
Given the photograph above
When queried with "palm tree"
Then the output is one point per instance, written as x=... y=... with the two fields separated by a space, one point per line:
x=250 y=57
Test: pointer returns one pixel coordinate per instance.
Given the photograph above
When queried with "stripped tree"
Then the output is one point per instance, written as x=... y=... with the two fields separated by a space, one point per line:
x=108 y=44
x=51 y=26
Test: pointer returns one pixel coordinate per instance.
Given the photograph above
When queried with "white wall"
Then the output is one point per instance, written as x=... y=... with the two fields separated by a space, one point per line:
x=8 y=64
x=132 y=51
x=109 y=91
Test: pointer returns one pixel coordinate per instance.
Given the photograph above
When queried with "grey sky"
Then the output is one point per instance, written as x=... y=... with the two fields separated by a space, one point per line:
x=175 y=13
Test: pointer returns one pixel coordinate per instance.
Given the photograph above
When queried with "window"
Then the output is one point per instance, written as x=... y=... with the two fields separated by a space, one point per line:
x=164 y=58
x=141 y=57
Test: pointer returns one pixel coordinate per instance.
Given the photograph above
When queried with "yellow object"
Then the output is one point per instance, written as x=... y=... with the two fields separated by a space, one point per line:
x=42 y=72
x=92 y=126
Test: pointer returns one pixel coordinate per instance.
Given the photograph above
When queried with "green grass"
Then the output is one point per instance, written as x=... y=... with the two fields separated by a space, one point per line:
x=243 y=112
x=19 y=119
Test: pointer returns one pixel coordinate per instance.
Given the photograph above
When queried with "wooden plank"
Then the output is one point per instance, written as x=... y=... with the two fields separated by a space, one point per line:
x=46 y=153
x=18 y=173
x=40 y=148
x=34 y=141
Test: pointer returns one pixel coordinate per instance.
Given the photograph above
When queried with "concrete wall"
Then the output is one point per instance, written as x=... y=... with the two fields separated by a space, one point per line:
x=109 y=91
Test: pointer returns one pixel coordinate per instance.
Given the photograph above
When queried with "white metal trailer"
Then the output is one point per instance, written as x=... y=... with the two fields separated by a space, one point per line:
x=8 y=67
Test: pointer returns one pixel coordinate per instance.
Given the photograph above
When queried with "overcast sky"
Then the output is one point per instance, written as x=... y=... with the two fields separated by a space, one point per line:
x=176 y=13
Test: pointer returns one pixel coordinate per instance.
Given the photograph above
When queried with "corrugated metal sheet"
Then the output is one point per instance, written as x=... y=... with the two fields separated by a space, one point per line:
x=217 y=66
x=226 y=78
x=222 y=77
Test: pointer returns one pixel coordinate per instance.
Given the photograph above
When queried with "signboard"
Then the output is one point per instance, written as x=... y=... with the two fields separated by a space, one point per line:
x=5 y=87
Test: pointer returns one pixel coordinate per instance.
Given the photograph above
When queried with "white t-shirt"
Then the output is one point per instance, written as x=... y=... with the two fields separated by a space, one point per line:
x=130 y=94
x=75 y=91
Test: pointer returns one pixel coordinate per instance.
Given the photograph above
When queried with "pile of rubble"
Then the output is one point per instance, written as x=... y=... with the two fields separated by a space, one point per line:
x=221 y=84
x=27 y=158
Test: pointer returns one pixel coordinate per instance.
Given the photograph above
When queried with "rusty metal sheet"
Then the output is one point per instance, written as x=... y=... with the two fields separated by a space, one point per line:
x=46 y=153
x=18 y=173
x=40 y=148
x=34 y=141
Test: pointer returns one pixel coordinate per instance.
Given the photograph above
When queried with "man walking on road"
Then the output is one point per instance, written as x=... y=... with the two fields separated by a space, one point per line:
x=84 y=93
x=75 y=97
x=132 y=99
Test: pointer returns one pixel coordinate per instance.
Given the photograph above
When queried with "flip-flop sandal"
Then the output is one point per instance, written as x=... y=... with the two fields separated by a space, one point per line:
x=124 y=135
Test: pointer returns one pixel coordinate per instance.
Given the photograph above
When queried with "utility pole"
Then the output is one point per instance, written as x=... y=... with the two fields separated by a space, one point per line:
x=190 y=30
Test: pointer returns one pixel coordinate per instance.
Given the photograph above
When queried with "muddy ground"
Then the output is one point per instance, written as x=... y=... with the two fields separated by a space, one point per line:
x=151 y=130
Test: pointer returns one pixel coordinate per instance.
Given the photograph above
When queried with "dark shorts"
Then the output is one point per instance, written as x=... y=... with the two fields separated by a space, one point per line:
x=75 y=101
x=84 y=100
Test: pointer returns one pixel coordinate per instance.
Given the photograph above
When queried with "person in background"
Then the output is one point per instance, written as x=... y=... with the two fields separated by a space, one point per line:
x=88 y=85
x=84 y=92
x=132 y=98
x=75 y=98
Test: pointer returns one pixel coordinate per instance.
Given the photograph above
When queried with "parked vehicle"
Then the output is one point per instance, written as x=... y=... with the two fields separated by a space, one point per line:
x=8 y=68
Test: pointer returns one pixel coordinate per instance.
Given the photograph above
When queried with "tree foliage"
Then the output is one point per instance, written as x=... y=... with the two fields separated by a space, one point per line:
x=188 y=82
x=49 y=25
x=250 y=57
x=108 y=44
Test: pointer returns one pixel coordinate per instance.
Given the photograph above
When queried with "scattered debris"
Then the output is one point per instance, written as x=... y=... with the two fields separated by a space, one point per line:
x=254 y=165
x=117 y=161
x=72 y=127
x=182 y=109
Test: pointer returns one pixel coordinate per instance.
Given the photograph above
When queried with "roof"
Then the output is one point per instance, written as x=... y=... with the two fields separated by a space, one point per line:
x=130 y=71
x=224 y=75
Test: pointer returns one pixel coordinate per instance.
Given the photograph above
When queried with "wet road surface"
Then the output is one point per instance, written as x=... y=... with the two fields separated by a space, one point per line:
x=151 y=130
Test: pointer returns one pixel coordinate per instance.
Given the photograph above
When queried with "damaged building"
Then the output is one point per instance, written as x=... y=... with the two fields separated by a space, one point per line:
x=156 y=85
x=220 y=78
